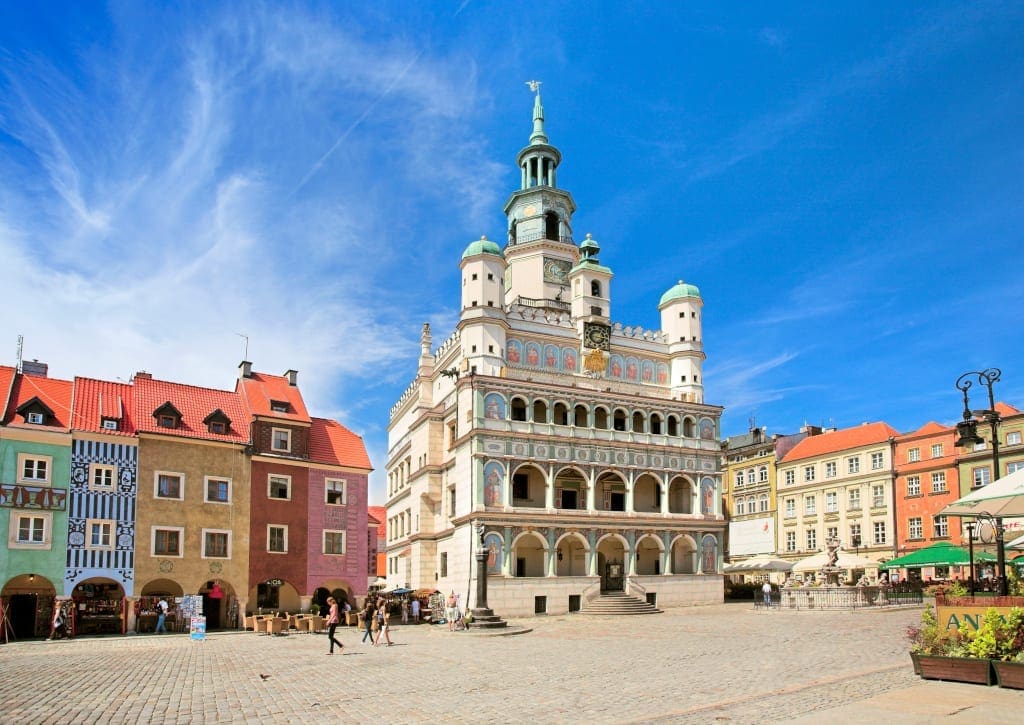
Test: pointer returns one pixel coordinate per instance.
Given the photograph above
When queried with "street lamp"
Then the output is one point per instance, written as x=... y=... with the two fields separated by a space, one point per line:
x=967 y=435
x=970 y=550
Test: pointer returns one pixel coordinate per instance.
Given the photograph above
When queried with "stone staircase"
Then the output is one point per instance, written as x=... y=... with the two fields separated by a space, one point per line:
x=486 y=619
x=617 y=604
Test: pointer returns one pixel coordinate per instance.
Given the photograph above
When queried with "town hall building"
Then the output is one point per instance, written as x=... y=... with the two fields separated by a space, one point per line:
x=578 y=449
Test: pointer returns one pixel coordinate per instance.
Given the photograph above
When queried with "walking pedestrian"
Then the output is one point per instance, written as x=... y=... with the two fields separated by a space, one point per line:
x=332 y=624
x=405 y=611
x=368 y=620
x=415 y=611
x=766 y=589
x=385 y=629
x=451 y=608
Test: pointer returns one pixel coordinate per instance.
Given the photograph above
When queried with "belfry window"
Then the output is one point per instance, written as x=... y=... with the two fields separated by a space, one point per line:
x=551 y=226
x=595 y=288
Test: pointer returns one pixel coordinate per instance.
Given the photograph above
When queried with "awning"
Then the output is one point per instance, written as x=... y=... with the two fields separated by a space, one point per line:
x=1003 y=498
x=846 y=561
x=940 y=554
x=760 y=563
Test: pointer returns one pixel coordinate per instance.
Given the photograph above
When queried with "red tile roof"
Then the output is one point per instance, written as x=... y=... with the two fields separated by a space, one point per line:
x=259 y=389
x=1005 y=408
x=931 y=427
x=6 y=382
x=841 y=440
x=99 y=399
x=194 y=404
x=54 y=394
x=380 y=515
x=331 y=442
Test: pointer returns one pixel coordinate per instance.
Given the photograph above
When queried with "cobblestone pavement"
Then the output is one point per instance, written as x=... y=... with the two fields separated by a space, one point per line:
x=702 y=664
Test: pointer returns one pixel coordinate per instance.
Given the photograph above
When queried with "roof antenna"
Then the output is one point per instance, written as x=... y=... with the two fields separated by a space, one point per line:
x=245 y=354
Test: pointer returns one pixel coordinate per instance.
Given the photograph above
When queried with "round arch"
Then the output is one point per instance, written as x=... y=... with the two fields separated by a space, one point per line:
x=680 y=495
x=649 y=549
x=689 y=427
x=571 y=487
x=684 y=554
x=571 y=552
x=529 y=553
x=647 y=493
x=529 y=485
x=30 y=599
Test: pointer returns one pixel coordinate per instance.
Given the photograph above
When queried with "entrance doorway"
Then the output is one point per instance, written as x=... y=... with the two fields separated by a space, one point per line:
x=22 y=614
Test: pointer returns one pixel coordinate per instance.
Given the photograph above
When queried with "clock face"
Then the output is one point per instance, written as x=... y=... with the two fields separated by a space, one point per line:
x=596 y=336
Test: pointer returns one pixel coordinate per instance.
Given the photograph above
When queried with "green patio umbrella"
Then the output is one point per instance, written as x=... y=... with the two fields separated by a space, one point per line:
x=940 y=554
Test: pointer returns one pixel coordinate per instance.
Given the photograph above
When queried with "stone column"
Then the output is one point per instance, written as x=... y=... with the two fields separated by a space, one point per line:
x=631 y=554
x=664 y=495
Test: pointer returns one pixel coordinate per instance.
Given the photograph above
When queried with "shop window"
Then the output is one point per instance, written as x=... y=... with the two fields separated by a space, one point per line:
x=267 y=596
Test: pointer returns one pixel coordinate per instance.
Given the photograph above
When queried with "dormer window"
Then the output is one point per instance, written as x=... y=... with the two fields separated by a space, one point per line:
x=167 y=416
x=109 y=424
x=279 y=406
x=281 y=440
x=35 y=412
x=217 y=422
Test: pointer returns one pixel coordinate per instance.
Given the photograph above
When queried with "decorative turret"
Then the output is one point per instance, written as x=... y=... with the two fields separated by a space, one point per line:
x=681 y=322
x=482 y=322
x=591 y=286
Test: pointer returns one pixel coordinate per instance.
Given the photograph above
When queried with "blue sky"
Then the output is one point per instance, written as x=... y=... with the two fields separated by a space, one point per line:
x=842 y=182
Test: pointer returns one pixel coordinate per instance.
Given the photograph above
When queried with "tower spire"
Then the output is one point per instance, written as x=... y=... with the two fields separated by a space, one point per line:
x=538 y=136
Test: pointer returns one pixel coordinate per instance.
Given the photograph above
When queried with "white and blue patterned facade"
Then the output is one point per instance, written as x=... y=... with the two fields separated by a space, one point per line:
x=117 y=505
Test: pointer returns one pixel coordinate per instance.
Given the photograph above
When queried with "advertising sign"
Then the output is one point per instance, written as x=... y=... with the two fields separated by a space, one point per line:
x=197 y=627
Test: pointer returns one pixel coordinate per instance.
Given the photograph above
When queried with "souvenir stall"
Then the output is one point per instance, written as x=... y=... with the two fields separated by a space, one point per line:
x=99 y=608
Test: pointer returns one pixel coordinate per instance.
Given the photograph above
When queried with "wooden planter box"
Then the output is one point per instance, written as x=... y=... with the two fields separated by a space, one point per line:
x=956 y=669
x=1009 y=674
x=917 y=663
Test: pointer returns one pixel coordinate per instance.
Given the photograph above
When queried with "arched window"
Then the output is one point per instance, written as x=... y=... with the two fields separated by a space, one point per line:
x=739 y=478
x=540 y=411
x=638 y=422
x=551 y=226
x=673 y=426
x=750 y=476
x=619 y=419
x=601 y=418
x=688 y=428
x=595 y=288
x=740 y=507
x=561 y=414
x=579 y=416
x=655 y=424
x=518 y=409
x=762 y=474
x=763 y=502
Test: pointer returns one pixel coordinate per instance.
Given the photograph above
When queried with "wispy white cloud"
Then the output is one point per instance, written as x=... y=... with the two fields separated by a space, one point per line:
x=173 y=230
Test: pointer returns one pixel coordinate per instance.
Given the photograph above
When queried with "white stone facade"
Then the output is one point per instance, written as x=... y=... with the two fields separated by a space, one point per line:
x=581 y=448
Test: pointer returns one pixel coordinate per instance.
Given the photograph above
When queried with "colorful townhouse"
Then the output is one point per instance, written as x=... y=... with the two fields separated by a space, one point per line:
x=839 y=485
x=309 y=488
x=927 y=480
x=99 y=575
x=377 y=540
x=339 y=473
x=35 y=470
x=749 y=489
x=193 y=505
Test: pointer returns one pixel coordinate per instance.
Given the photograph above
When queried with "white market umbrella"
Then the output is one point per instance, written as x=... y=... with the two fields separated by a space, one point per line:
x=761 y=562
x=846 y=561
x=1003 y=498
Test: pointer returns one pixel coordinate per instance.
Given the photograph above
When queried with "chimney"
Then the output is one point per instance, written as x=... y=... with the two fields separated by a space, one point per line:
x=142 y=375
x=293 y=377
x=34 y=367
x=245 y=369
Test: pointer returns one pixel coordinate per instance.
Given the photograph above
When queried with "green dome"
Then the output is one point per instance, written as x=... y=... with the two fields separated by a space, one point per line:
x=483 y=245
x=680 y=291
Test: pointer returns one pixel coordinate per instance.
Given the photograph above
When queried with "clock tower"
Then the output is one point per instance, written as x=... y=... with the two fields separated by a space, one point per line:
x=540 y=251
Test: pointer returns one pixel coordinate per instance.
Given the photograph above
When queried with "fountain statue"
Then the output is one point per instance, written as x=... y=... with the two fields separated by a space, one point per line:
x=831 y=570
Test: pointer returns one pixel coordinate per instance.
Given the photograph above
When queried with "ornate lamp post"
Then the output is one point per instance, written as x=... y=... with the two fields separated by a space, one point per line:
x=967 y=435
x=970 y=525
x=481 y=568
